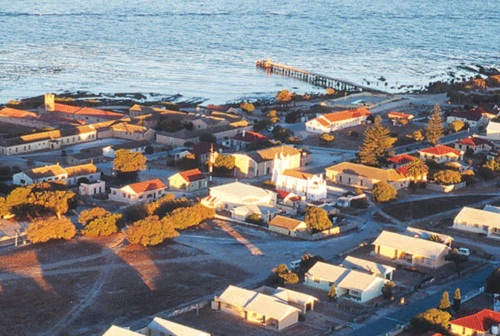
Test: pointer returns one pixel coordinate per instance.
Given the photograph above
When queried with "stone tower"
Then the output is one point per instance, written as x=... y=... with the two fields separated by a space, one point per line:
x=49 y=100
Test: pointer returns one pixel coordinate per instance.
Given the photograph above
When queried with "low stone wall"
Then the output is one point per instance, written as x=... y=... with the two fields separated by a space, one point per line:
x=445 y=188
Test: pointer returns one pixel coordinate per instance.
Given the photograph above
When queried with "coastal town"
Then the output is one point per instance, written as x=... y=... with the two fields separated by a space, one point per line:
x=347 y=212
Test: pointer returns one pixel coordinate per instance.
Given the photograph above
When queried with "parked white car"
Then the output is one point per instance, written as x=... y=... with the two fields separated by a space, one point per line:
x=464 y=251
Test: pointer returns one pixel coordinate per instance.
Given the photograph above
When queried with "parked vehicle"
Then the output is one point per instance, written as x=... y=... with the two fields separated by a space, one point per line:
x=464 y=251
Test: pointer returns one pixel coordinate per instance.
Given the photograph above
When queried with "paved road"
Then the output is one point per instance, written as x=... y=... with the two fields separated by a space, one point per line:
x=404 y=315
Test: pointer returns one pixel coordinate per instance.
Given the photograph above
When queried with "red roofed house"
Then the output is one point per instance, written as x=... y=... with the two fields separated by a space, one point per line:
x=242 y=140
x=486 y=322
x=188 y=180
x=141 y=192
x=327 y=123
x=477 y=145
x=472 y=117
x=20 y=117
x=441 y=154
x=288 y=202
x=86 y=114
x=399 y=161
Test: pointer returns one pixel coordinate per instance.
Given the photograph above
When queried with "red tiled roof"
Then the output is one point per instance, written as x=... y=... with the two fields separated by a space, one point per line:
x=401 y=159
x=15 y=113
x=192 y=175
x=481 y=321
x=474 y=115
x=323 y=122
x=474 y=141
x=250 y=137
x=141 y=187
x=394 y=114
x=440 y=150
x=69 y=109
x=348 y=114
x=282 y=194
x=403 y=170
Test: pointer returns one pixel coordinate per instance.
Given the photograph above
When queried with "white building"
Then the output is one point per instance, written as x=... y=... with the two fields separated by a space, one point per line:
x=91 y=189
x=256 y=308
x=351 y=284
x=55 y=173
x=311 y=186
x=231 y=195
x=330 y=122
x=380 y=270
x=141 y=192
x=493 y=131
x=485 y=221
x=162 y=327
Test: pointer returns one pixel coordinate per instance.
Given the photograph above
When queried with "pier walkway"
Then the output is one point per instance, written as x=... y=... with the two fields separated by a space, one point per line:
x=313 y=78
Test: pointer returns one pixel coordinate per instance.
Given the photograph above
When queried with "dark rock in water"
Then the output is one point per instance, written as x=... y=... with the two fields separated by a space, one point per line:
x=488 y=71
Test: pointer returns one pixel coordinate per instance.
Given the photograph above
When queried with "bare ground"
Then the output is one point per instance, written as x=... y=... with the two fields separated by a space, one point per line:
x=83 y=286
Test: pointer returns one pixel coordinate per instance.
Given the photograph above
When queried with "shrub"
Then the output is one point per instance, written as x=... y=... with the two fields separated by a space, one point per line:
x=447 y=177
x=43 y=230
x=383 y=192
x=102 y=226
x=255 y=219
x=432 y=319
x=325 y=137
x=150 y=231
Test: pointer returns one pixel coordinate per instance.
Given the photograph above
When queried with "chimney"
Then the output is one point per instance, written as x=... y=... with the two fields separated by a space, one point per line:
x=49 y=100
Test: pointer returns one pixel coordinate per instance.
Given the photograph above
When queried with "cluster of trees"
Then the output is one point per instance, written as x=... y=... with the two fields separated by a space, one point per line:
x=281 y=276
x=44 y=229
x=284 y=97
x=160 y=207
x=153 y=229
x=38 y=200
x=128 y=163
x=224 y=165
x=317 y=219
x=98 y=222
x=490 y=168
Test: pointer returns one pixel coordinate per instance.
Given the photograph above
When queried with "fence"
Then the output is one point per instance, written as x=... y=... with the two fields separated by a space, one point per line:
x=447 y=188
x=188 y=308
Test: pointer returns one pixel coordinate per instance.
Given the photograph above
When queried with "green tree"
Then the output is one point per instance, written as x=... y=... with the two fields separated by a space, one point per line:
x=388 y=290
x=417 y=169
x=129 y=162
x=456 y=258
x=376 y=144
x=4 y=207
x=417 y=135
x=384 y=192
x=284 y=97
x=317 y=219
x=457 y=300
x=150 y=231
x=457 y=125
x=332 y=293
x=325 y=137
x=308 y=260
x=43 y=230
x=247 y=107
x=224 y=165
x=88 y=215
x=432 y=319
x=493 y=282
x=284 y=275
x=102 y=226
x=447 y=177
x=435 y=128
x=208 y=137
x=444 y=304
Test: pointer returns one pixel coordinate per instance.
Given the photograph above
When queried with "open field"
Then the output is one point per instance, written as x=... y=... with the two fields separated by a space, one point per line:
x=82 y=286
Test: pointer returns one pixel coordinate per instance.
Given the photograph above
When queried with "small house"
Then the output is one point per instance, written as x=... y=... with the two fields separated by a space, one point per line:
x=483 y=323
x=188 y=180
x=441 y=154
x=140 y=192
x=162 y=327
x=286 y=225
x=486 y=221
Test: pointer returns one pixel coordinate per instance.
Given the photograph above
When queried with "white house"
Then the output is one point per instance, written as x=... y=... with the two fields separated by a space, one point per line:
x=476 y=144
x=141 y=192
x=304 y=302
x=231 y=195
x=485 y=221
x=55 y=173
x=349 y=283
x=424 y=234
x=380 y=270
x=286 y=225
x=409 y=250
x=493 y=131
x=312 y=186
x=330 y=122
x=441 y=154
x=162 y=327
x=472 y=117
x=256 y=308
x=133 y=147
x=119 y=331
x=90 y=189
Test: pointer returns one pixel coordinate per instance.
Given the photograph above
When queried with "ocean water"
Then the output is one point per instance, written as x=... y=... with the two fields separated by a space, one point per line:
x=207 y=49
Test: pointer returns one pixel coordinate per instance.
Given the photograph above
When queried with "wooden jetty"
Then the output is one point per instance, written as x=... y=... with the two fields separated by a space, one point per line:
x=313 y=78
